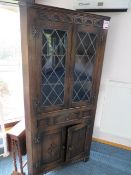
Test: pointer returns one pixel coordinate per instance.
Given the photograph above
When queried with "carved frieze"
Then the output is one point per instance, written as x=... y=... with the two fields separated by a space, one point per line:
x=85 y=19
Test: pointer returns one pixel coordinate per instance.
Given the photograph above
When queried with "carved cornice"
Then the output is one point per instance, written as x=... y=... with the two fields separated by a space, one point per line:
x=76 y=18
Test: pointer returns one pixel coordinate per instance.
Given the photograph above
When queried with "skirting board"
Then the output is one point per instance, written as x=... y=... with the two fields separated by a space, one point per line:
x=112 y=144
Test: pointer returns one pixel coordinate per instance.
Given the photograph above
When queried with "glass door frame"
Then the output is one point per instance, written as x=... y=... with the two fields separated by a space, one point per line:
x=41 y=25
x=83 y=28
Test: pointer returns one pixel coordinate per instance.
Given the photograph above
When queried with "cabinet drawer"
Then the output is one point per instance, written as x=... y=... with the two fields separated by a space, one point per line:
x=67 y=118
x=60 y=119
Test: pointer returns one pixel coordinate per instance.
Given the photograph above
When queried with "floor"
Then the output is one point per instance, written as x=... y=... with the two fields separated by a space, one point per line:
x=104 y=160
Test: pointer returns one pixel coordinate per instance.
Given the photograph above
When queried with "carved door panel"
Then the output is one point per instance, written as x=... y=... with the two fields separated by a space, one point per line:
x=50 y=149
x=53 y=48
x=77 y=142
x=84 y=55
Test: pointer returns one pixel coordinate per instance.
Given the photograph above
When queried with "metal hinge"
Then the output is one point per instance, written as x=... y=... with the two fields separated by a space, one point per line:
x=37 y=164
x=35 y=31
x=93 y=98
x=37 y=139
x=36 y=106
x=102 y=38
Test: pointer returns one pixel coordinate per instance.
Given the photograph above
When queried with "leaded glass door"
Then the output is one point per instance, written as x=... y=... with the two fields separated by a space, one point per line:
x=54 y=55
x=84 y=55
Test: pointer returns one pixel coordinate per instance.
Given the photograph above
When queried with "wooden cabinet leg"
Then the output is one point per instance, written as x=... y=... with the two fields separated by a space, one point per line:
x=13 y=148
x=86 y=159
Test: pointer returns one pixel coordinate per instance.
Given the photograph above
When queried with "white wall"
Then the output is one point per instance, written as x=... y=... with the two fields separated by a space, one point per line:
x=68 y=4
x=116 y=68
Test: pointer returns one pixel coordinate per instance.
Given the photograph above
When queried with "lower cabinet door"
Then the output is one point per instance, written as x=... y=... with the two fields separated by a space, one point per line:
x=77 y=140
x=51 y=149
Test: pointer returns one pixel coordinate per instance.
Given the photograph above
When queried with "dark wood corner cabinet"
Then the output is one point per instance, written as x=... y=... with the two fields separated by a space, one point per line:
x=62 y=54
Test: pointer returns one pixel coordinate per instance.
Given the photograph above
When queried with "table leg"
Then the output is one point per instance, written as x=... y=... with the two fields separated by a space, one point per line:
x=20 y=157
x=13 y=148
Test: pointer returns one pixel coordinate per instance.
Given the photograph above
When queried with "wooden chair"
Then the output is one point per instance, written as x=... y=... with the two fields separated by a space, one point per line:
x=17 y=146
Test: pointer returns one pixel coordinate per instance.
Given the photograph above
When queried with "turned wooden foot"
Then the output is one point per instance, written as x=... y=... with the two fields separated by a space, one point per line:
x=86 y=159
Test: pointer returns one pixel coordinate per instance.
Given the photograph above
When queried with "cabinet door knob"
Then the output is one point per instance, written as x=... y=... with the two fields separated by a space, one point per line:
x=70 y=148
x=63 y=147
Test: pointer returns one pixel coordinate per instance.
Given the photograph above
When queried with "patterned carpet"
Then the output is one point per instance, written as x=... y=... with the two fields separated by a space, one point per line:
x=104 y=160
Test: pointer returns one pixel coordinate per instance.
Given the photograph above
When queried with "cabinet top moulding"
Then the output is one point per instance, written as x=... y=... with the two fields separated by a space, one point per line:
x=56 y=14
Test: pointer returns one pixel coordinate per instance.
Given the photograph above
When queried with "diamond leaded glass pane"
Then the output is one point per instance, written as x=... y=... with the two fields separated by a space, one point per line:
x=54 y=44
x=84 y=62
